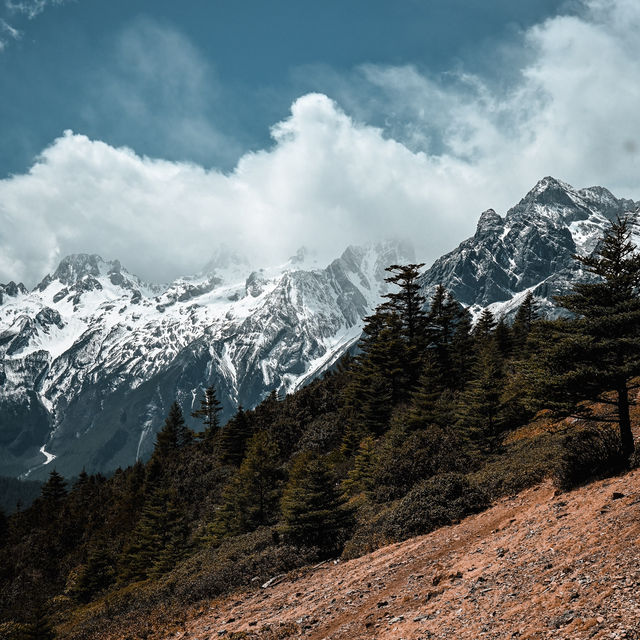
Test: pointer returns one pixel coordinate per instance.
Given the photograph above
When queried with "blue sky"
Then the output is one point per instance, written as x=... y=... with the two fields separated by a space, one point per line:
x=154 y=131
x=257 y=57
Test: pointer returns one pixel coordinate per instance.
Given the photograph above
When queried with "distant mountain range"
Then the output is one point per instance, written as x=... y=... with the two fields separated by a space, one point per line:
x=530 y=249
x=92 y=358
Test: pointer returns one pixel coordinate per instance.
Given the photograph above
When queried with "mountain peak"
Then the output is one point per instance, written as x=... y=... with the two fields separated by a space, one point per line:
x=489 y=221
x=76 y=266
x=551 y=191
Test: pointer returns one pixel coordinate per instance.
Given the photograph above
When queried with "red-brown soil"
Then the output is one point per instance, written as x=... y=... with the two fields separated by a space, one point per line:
x=538 y=565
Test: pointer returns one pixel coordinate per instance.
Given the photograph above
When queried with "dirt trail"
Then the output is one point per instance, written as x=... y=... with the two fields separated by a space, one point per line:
x=533 y=566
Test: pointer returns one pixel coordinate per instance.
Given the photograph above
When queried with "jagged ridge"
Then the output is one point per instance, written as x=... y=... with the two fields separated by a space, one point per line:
x=92 y=358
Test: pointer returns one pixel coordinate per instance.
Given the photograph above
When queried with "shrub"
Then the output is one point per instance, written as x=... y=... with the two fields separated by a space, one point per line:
x=434 y=503
x=408 y=458
x=587 y=455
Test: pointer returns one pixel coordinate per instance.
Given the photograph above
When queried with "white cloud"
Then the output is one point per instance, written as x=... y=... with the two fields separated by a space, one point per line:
x=463 y=144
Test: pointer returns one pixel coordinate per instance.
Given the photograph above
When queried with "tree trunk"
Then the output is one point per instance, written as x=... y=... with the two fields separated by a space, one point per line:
x=626 y=436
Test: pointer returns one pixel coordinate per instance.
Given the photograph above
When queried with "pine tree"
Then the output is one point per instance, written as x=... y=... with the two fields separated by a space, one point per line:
x=480 y=406
x=52 y=498
x=233 y=440
x=361 y=477
x=313 y=513
x=425 y=407
x=442 y=317
x=503 y=338
x=174 y=433
x=408 y=303
x=378 y=381
x=461 y=351
x=485 y=326
x=597 y=355
x=158 y=541
x=97 y=574
x=523 y=322
x=250 y=499
x=208 y=412
x=54 y=490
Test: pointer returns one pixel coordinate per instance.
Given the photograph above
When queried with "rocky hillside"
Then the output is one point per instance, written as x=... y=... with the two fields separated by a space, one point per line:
x=538 y=565
x=530 y=249
x=93 y=357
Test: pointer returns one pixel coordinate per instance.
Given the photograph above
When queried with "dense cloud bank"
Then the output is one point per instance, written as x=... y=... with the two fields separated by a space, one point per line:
x=329 y=179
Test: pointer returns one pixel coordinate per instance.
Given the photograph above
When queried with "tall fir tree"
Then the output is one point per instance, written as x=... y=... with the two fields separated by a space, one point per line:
x=485 y=326
x=408 y=302
x=158 y=541
x=208 y=412
x=480 y=408
x=461 y=351
x=250 y=499
x=523 y=322
x=361 y=478
x=313 y=512
x=167 y=437
x=234 y=437
x=408 y=305
x=596 y=356
x=54 y=490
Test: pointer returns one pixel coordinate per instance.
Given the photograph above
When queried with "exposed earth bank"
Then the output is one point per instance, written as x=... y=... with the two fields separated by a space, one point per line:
x=538 y=565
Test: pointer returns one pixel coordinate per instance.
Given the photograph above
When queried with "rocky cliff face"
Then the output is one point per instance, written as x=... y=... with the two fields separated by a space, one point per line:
x=91 y=359
x=530 y=249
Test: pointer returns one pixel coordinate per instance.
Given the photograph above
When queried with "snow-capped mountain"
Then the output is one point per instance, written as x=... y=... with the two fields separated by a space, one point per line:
x=92 y=358
x=530 y=249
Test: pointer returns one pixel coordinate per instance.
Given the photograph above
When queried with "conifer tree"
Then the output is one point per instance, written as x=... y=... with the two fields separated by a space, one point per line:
x=313 y=513
x=503 y=338
x=480 y=406
x=425 y=408
x=523 y=322
x=442 y=317
x=54 y=490
x=485 y=326
x=378 y=380
x=174 y=433
x=361 y=478
x=53 y=496
x=596 y=356
x=407 y=305
x=250 y=499
x=233 y=440
x=97 y=574
x=208 y=412
x=461 y=350
x=158 y=540
x=408 y=302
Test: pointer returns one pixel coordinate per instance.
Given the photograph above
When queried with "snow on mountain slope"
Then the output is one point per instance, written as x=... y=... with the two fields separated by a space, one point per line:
x=91 y=359
x=530 y=249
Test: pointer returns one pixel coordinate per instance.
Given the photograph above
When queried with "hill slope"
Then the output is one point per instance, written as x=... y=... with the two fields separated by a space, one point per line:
x=536 y=565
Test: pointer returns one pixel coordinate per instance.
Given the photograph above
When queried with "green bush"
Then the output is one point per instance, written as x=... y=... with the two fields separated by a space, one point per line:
x=408 y=458
x=434 y=503
x=587 y=455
